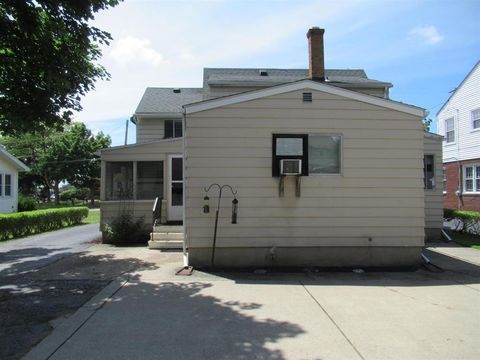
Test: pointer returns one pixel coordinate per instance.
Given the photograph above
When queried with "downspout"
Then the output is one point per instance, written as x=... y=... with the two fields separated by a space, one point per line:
x=185 y=237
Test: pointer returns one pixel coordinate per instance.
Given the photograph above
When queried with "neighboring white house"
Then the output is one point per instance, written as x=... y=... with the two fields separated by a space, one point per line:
x=10 y=166
x=367 y=187
x=459 y=122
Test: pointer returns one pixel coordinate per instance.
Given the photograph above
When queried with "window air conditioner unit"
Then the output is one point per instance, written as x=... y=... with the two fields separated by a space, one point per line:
x=290 y=167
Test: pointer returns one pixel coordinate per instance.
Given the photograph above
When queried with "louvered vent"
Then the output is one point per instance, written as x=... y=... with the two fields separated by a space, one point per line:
x=307 y=97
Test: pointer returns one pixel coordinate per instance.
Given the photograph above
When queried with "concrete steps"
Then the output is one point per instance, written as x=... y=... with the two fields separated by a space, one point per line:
x=166 y=237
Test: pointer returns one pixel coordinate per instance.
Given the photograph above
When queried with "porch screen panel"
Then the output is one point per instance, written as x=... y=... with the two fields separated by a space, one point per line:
x=149 y=180
x=119 y=180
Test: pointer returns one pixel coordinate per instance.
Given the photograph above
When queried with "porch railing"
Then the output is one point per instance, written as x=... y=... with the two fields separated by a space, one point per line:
x=157 y=211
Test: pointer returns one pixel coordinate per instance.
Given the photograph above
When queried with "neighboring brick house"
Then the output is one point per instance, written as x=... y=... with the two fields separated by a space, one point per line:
x=459 y=121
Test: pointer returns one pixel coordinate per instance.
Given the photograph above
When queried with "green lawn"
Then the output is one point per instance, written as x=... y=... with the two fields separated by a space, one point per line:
x=465 y=239
x=92 y=218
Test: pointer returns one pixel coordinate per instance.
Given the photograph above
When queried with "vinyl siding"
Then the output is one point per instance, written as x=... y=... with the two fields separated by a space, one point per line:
x=139 y=209
x=379 y=194
x=434 y=197
x=459 y=107
x=8 y=204
x=149 y=130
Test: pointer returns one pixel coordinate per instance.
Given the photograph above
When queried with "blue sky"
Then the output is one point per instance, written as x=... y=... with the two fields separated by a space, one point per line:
x=425 y=48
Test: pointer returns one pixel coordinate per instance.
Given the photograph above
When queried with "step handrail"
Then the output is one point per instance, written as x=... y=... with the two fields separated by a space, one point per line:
x=157 y=210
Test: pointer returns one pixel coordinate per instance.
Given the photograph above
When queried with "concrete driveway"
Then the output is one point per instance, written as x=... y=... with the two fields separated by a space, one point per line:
x=309 y=315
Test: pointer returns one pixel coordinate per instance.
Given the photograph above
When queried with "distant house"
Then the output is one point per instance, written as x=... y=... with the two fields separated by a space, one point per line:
x=10 y=166
x=329 y=171
x=459 y=123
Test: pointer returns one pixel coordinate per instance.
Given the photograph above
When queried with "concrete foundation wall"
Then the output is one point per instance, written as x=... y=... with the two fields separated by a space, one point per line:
x=402 y=257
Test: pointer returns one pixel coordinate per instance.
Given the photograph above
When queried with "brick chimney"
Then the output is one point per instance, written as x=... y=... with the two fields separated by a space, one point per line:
x=316 y=68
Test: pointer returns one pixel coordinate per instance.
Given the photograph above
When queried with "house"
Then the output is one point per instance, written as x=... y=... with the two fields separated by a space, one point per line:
x=322 y=168
x=10 y=166
x=459 y=121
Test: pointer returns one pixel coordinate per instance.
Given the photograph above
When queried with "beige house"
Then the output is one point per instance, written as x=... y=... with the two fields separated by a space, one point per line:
x=326 y=169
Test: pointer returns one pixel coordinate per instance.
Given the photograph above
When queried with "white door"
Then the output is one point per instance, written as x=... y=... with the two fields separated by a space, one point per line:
x=175 y=188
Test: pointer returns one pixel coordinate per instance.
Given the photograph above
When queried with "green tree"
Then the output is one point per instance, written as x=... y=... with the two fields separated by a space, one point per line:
x=84 y=169
x=48 y=54
x=57 y=156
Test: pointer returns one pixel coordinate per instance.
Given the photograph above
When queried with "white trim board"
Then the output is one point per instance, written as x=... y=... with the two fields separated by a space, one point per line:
x=303 y=85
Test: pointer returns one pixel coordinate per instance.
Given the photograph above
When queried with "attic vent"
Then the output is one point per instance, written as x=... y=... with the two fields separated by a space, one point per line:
x=263 y=72
x=176 y=91
x=307 y=97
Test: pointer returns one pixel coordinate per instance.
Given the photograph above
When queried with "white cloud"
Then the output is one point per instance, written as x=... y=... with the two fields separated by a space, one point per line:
x=128 y=50
x=429 y=34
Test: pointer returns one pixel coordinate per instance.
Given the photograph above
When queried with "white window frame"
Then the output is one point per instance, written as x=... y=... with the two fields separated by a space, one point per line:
x=447 y=130
x=475 y=176
x=475 y=117
x=340 y=155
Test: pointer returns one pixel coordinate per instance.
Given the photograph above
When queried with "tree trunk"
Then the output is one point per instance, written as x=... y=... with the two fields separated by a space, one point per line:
x=56 y=191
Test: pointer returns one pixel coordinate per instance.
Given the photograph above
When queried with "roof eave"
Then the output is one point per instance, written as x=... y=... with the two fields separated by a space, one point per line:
x=298 y=85
x=158 y=115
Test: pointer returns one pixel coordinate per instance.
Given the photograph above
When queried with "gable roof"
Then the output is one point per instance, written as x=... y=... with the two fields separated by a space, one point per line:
x=252 y=77
x=458 y=87
x=4 y=154
x=300 y=85
x=165 y=100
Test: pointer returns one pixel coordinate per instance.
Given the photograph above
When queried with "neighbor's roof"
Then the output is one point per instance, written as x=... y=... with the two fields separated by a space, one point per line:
x=165 y=100
x=253 y=77
x=301 y=85
x=4 y=154
x=458 y=87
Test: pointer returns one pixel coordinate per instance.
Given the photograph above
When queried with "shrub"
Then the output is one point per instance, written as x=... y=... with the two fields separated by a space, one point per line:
x=33 y=222
x=468 y=221
x=73 y=194
x=124 y=230
x=26 y=203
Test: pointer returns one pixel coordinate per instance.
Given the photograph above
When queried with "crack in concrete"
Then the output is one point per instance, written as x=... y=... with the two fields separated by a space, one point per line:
x=332 y=320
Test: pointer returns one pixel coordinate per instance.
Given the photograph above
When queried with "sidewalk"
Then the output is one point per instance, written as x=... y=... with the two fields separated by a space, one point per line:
x=155 y=315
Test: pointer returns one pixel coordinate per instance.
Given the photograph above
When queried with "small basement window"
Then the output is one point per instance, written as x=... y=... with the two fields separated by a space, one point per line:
x=173 y=129
x=263 y=72
x=307 y=97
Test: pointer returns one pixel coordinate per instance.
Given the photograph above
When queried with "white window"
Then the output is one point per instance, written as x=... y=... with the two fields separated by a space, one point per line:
x=471 y=178
x=324 y=153
x=476 y=119
x=450 y=130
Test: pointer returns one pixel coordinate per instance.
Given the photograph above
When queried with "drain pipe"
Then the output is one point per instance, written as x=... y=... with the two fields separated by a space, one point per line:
x=444 y=233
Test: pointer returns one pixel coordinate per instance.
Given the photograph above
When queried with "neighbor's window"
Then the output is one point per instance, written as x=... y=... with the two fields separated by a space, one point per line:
x=8 y=185
x=1 y=184
x=429 y=172
x=149 y=180
x=450 y=130
x=476 y=119
x=471 y=178
x=173 y=129
x=119 y=180
x=324 y=152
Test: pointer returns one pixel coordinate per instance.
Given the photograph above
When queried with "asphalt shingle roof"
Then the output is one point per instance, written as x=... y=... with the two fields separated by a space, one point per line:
x=165 y=100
